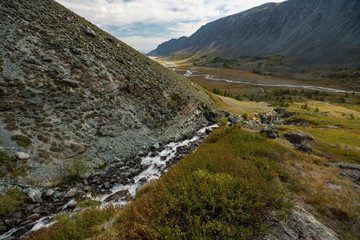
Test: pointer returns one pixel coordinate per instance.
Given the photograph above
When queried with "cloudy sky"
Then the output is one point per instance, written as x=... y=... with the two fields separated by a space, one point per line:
x=144 y=24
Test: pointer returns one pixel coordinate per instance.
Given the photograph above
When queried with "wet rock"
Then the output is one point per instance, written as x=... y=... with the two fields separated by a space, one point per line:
x=27 y=224
x=156 y=146
x=107 y=185
x=34 y=217
x=270 y=133
x=22 y=156
x=48 y=193
x=3 y=229
x=116 y=196
x=34 y=194
x=10 y=222
x=36 y=210
x=71 y=193
x=87 y=189
x=71 y=205
x=143 y=180
x=58 y=194
x=30 y=207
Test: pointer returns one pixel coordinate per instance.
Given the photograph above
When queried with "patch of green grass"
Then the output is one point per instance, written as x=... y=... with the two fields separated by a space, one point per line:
x=335 y=154
x=4 y=157
x=223 y=121
x=11 y=201
x=224 y=190
x=21 y=140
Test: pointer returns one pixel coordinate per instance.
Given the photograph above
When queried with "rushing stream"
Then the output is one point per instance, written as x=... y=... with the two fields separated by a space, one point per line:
x=156 y=163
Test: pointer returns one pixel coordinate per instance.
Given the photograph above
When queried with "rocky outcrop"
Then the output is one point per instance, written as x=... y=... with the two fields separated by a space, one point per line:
x=314 y=32
x=300 y=141
x=300 y=224
x=77 y=92
x=270 y=133
x=348 y=170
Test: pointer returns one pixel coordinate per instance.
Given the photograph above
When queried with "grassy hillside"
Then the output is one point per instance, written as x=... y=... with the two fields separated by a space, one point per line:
x=228 y=189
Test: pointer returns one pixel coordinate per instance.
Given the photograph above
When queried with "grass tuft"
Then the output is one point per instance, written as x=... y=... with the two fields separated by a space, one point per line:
x=21 y=140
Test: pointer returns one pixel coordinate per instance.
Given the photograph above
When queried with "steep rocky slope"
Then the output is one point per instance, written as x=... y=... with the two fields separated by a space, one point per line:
x=314 y=32
x=69 y=89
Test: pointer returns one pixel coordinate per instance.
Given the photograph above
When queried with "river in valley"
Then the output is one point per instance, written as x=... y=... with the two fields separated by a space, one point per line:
x=191 y=73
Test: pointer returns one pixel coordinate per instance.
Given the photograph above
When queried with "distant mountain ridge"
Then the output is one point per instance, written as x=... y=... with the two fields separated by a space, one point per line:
x=320 y=31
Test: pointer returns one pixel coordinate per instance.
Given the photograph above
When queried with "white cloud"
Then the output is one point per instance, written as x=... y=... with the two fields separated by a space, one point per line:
x=143 y=44
x=121 y=12
x=185 y=15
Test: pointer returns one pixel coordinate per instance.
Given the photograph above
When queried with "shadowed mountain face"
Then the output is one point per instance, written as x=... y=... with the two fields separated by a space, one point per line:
x=313 y=31
x=69 y=88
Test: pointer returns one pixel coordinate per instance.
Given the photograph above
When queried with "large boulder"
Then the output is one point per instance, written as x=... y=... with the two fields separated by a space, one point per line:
x=270 y=133
x=118 y=195
x=34 y=194
x=88 y=31
x=268 y=117
x=71 y=193
x=22 y=155
x=301 y=141
x=299 y=138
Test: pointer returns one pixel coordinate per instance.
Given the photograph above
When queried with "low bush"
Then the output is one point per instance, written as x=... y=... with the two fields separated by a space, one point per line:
x=75 y=167
x=223 y=122
x=80 y=225
x=21 y=140
x=11 y=201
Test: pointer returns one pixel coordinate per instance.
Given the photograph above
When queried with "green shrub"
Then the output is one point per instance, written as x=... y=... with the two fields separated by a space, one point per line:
x=11 y=201
x=4 y=157
x=21 y=140
x=245 y=116
x=174 y=97
x=223 y=122
x=76 y=226
x=74 y=169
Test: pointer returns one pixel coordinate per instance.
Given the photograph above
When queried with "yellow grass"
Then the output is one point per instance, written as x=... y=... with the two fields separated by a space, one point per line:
x=241 y=107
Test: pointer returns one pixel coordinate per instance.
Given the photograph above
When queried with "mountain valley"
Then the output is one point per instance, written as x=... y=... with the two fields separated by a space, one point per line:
x=248 y=129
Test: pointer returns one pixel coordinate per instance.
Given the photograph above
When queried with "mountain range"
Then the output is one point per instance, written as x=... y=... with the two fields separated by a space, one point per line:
x=310 y=31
